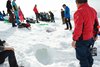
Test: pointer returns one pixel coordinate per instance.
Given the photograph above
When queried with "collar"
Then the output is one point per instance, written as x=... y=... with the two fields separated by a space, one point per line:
x=84 y=4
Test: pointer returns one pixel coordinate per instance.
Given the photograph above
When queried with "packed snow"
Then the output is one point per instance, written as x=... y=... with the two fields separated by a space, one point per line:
x=46 y=45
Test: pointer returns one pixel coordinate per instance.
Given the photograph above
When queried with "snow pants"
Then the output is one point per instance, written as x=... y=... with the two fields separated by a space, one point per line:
x=12 y=19
x=68 y=23
x=37 y=17
x=17 y=17
x=83 y=53
x=11 y=58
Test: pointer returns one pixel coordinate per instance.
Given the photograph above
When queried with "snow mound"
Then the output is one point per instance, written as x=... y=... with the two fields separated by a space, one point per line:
x=50 y=29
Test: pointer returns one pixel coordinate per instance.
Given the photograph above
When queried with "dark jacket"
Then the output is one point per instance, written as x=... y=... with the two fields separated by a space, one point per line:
x=51 y=15
x=1 y=14
x=8 y=6
x=62 y=14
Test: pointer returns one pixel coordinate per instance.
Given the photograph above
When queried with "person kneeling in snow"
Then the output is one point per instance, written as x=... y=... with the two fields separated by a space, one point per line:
x=24 y=25
x=7 y=52
x=52 y=19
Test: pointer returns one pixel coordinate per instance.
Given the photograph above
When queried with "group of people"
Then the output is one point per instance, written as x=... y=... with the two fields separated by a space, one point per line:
x=85 y=32
x=84 y=35
x=15 y=13
x=49 y=17
x=43 y=16
x=8 y=52
x=65 y=15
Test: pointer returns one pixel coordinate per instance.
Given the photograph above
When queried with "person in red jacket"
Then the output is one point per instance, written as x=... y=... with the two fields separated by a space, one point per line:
x=36 y=13
x=85 y=32
x=21 y=15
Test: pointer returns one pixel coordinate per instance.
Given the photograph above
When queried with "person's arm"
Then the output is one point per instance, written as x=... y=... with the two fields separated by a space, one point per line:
x=78 y=20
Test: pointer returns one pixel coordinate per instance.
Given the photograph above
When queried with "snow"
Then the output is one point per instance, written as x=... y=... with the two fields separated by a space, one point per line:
x=46 y=45
x=39 y=48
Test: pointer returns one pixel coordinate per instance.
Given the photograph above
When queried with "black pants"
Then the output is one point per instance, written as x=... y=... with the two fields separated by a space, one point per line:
x=83 y=53
x=37 y=17
x=68 y=24
x=11 y=58
x=52 y=19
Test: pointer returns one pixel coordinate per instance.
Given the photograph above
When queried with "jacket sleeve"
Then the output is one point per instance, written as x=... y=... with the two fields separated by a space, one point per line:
x=78 y=20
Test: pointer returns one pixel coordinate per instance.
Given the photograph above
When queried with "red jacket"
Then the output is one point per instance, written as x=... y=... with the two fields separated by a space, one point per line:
x=21 y=16
x=84 y=19
x=35 y=9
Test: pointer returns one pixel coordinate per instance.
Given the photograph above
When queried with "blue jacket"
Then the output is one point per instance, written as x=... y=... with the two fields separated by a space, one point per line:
x=14 y=6
x=67 y=12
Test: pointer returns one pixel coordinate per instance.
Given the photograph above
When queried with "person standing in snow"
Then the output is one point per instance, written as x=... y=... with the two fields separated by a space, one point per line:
x=16 y=11
x=67 y=17
x=9 y=7
x=51 y=16
x=85 y=32
x=7 y=52
x=62 y=16
x=9 y=11
x=36 y=13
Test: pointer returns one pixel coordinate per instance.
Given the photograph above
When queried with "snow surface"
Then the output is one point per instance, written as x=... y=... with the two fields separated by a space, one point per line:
x=44 y=45
x=39 y=48
x=48 y=5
